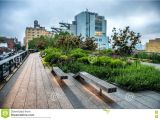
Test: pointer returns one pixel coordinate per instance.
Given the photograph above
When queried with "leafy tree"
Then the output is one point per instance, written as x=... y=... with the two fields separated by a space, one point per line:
x=125 y=41
x=67 y=41
x=38 y=43
x=18 y=46
x=32 y=44
x=89 y=44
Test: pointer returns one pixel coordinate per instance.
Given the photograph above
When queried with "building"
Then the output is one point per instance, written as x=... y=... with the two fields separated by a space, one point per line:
x=7 y=44
x=88 y=24
x=34 y=32
x=153 y=45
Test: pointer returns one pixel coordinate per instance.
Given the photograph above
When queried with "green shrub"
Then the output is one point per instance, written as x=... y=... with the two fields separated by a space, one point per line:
x=133 y=77
x=105 y=52
x=146 y=57
x=63 y=57
x=84 y=60
x=78 y=53
x=103 y=60
x=138 y=77
x=52 y=57
x=108 y=61
x=50 y=50
x=117 y=63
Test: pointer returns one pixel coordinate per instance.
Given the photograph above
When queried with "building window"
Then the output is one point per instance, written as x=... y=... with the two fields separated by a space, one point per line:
x=100 y=40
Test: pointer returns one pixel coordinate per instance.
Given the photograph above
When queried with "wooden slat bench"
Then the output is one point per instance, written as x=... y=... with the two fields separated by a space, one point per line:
x=101 y=84
x=59 y=73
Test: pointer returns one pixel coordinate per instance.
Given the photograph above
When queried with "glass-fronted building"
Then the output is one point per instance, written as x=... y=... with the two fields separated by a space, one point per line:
x=90 y=24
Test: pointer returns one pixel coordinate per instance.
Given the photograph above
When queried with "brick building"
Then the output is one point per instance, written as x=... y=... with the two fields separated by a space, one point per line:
x=7 y=44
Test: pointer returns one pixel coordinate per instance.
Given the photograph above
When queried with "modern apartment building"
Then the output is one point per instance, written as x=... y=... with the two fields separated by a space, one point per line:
x=34 y=32
x=153 y=45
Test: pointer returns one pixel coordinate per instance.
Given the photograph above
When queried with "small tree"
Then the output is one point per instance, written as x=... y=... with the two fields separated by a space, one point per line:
x=89 y=44
x=38 y=43
x=124 y=41
x=68 y=41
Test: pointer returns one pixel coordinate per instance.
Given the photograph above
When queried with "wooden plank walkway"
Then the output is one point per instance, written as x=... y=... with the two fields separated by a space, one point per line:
x=34 y=86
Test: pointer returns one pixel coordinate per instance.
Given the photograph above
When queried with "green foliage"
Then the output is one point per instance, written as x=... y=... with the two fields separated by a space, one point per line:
x=89 y=44
x=77 y=53
x=50 y=50
x=63 y=57
x=131 y=78
x=128 y=77
x=117 y=63
x=63 y=40
x=107 y=52
x=52 y=55
x=84 y=60
x=108 y=61
x=38 y=43
x=154 y=57
x=67 y=41
x=125 y=40
x=73 y=55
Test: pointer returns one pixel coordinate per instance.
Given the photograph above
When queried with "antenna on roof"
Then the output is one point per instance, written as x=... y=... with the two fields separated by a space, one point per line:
x=86 y=9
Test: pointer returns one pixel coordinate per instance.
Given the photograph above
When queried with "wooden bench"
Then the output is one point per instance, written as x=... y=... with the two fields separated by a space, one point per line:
x=59 y=73
x=101 y=84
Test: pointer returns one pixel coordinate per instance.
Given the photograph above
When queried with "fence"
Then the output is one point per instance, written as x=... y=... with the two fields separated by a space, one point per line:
x=9 y=64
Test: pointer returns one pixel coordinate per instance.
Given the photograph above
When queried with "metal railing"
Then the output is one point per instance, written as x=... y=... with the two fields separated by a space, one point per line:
x=9 y=64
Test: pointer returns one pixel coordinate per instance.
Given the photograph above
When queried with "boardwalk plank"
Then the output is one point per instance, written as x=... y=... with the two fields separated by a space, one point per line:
x=21 y=95
x=42 y=102
x=30 y=101
x=12 y=94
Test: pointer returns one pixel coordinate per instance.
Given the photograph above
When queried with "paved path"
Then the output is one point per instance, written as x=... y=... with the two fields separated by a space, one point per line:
x=33 y=86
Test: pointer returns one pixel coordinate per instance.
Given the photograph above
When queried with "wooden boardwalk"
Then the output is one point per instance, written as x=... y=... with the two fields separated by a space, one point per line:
x=34 y=86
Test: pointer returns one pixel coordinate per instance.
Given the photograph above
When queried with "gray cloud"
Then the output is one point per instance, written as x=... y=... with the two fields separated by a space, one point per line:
x=142 y=15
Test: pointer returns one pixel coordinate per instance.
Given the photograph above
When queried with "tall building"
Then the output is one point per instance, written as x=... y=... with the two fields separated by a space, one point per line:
x=34 y=32
x=90 y=24
x=153 y=45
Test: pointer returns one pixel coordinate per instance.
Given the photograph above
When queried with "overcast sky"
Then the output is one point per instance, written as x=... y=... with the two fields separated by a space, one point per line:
x=142 y=16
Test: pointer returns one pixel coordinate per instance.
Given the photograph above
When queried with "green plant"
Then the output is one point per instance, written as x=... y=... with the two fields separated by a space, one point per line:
x=125 y=40
x=77 y=53
x=108 y=61
x=132 y=77
x=83 y=60
x=117 y=63
x=89 y=44
x=52 y=56
x=148 y=57
x=107 y=52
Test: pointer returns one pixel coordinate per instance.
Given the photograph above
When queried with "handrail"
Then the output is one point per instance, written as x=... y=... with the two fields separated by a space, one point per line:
x=10 y=58
x=7 y=65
